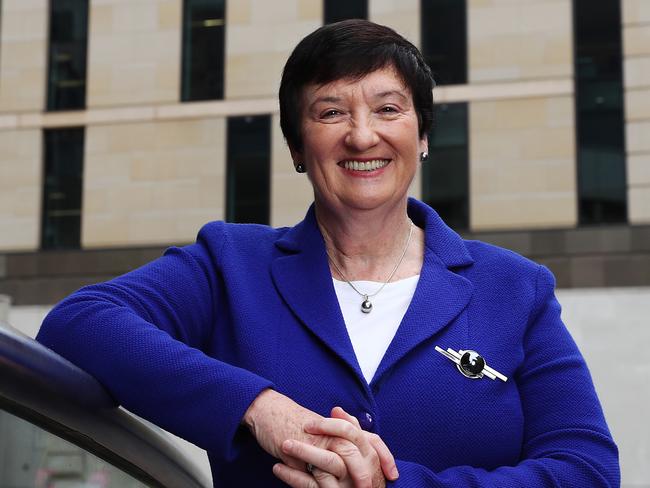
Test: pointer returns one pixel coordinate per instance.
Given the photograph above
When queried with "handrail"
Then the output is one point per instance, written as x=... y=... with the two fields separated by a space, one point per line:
x=46 y=389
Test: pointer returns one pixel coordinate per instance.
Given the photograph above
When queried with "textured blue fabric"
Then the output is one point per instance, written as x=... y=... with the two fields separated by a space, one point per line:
x=190 y=340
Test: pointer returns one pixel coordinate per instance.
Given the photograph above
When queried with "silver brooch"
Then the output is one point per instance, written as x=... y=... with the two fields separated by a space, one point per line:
x=471 y=364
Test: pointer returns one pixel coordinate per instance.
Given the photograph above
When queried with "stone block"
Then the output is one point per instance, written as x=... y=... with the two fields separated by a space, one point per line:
x=311 y=10
x=548 y=243
x=20 y=189
x=522 y=211
x=638 y=201
x=170 y=15
x=265 y=12
x=640 y=238
x=607 y=240
x=638 y=169
x=636 y=40
x=519 y=242
x=267 y=68
x=635 y=11
x=636 y=72
x=157 y=182
x=403 y=16
x=239 y=13
x=134 y=53
x=637 y=104
x=519 y=40
x=628 y=270
x=638 y=136
x=587 y=271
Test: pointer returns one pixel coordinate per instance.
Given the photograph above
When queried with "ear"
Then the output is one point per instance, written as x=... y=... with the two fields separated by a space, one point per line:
x=424 y=143
x=296 y=156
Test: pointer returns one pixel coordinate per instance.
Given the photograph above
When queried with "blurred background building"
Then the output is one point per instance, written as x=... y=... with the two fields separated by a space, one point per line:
x=126 y=125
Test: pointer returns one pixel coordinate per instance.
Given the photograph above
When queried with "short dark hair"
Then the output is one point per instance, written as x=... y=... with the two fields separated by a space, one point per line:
x=351 y=49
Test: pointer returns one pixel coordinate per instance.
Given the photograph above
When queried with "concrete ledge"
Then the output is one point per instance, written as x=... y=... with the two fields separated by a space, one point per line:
x=608 y=256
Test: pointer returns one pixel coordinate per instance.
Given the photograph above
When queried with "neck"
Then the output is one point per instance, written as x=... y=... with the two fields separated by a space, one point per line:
x=366 y=245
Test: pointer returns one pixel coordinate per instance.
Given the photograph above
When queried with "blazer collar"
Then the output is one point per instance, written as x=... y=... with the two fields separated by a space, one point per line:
x=303 y=278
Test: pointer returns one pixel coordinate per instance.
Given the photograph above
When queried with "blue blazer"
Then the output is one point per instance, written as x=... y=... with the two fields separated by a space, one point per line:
x=189 y=340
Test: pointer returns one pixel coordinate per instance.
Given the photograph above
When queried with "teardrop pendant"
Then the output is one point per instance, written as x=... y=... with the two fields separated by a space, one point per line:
x=366 y=305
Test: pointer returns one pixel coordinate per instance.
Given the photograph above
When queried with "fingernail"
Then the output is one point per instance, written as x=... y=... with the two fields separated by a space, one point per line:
x=394 y=473
x=310 y=425
x=287 y=445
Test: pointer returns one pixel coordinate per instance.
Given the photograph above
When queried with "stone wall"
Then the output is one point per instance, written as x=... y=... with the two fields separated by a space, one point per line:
x=636 y=47
x=134 y=52
x=152 y=182
x=23 y=59
x=20 y=189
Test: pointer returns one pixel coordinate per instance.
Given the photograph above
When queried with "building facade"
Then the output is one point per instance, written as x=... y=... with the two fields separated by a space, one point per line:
x=127 y=125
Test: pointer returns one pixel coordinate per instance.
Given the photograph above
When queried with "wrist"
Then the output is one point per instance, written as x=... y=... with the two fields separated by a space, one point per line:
x=250 y=416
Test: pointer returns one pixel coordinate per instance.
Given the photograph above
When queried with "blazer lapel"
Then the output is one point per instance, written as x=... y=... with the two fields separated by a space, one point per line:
x=441 y=294
x=304 y=281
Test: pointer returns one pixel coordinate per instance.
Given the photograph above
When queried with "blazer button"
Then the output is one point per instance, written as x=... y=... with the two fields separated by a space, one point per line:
x=366 y=421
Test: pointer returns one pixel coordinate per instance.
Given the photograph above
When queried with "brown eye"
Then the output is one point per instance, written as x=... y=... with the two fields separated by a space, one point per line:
x=330 y=113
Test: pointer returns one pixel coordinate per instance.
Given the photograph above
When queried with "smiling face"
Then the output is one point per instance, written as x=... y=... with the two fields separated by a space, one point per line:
x=360 y=141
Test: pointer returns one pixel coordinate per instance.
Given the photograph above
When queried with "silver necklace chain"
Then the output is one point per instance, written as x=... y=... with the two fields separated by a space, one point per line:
x=366 y=304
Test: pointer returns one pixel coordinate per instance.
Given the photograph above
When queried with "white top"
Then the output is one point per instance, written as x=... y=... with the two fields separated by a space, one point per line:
x=371 y=333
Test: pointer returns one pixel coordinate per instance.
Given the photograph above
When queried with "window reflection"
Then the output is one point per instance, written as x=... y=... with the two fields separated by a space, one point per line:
x=337 y=10
x=249 y=169
x=31 y=457
x=61 y=224
x=443 y=32
x=203 y=49
x=66 y=88
x=599 y=112
x=445 y=174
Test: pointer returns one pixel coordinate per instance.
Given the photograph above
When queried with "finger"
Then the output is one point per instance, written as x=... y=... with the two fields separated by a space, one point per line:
x=360 y=469
x=341 y=428
x=339 y=413
x=326 y=461
x=325 y=480
x=386 y=458
x=294 y=477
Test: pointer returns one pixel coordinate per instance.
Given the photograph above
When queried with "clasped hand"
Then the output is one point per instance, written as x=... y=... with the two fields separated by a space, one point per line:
x=340 y=453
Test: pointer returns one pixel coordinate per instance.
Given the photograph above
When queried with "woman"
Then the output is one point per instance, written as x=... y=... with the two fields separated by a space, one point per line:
x=317 y=345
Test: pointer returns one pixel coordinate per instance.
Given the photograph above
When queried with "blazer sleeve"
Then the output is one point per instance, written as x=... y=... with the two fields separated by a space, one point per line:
x=141 y=336
x=566 y=440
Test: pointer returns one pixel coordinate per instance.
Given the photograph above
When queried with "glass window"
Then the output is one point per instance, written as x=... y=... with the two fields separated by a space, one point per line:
x=249 y=169
x=203 y=49
x=445 y=174
x=31 y=457
x=61 y=225
x=599 y=111
x=443 y=34
x=337 y=10
x=66 y=85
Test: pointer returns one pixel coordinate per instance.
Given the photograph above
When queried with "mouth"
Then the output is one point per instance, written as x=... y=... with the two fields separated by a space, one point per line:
x=369 y=165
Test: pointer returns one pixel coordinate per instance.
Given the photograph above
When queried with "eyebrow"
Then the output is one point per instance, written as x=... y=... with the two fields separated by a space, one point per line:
x=380 y=95
x=389 y=93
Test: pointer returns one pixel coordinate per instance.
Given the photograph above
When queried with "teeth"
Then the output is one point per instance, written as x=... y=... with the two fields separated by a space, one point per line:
x=365 y=166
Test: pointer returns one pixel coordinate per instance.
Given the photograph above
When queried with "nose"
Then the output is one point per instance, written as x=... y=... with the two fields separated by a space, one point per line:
x=361 y=135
